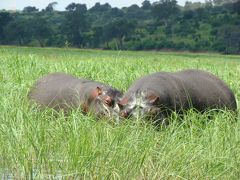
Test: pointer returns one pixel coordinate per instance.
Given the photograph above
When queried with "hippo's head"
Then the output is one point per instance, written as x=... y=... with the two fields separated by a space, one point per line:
x=141 y=104
x=104 y=102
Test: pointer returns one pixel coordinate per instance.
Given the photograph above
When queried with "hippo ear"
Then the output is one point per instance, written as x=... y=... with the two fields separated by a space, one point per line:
x=123 y=102
x=152 y=98
x=95 y=92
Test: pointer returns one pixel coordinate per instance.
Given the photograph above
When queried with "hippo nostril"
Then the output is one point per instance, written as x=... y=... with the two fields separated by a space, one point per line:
x=124 y=114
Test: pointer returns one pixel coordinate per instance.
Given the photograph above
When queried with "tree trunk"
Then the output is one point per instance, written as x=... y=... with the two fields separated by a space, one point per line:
x=121 y=43
x=41 y=43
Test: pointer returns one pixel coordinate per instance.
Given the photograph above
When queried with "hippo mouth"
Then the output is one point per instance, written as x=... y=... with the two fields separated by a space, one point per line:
x=104 y=109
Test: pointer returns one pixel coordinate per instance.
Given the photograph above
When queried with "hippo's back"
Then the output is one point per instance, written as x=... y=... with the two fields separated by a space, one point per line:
x=188 y=88
x=48 y=90
x=62 y=91
x=206 y=90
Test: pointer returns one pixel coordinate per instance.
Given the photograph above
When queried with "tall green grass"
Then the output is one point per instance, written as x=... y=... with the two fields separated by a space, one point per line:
x=41 y=144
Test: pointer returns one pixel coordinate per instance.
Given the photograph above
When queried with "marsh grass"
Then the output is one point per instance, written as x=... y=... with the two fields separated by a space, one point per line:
x=43 y=144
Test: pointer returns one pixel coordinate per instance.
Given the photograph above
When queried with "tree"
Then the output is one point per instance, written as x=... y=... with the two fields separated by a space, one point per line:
x=76 y=23
x=100 y=14
x=119 y=29
x=40 y=30
x=50 y=7
x=97 y=36
x=5 y=18
x=115 y=12
x=163 y=24
x=237 y=7
x=164 y=9
x=100 y=8
x=134 y=12
x=228 y=39
x=146 y=5
x=16 y=31
x=30 y=9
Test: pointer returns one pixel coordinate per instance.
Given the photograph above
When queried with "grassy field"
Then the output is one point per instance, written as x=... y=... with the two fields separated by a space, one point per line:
x=42 y=145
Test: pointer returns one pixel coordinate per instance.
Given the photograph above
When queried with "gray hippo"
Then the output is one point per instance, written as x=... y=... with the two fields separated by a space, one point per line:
x=62 y=91
x=159 y=94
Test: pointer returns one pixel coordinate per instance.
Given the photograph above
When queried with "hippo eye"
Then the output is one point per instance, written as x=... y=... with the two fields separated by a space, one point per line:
x=109 y=102
x=121 y=106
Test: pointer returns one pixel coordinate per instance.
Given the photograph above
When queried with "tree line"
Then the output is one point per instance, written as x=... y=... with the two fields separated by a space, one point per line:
x=210 y=26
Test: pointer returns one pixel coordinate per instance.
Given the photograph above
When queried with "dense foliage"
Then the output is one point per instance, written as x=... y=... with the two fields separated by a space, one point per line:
x=210 y=26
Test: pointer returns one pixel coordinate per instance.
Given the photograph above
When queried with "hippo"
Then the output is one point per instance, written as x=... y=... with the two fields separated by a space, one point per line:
x=157 y=95
x=61 y=91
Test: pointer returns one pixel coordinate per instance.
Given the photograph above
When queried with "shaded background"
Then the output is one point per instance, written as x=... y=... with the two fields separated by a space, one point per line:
x=212 y=26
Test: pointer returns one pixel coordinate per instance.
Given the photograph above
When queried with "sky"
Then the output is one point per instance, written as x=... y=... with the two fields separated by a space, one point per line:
x=40 y=4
